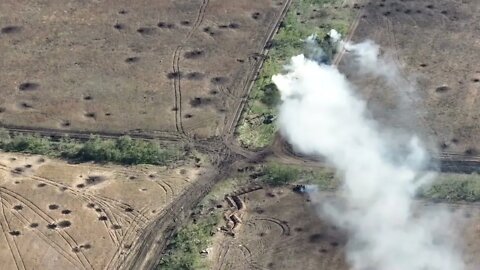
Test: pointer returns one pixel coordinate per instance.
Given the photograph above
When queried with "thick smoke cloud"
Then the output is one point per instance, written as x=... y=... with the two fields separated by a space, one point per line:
x=320 y=115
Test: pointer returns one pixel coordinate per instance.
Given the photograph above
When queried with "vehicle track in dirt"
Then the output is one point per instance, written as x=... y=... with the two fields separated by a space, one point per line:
x=177 y=89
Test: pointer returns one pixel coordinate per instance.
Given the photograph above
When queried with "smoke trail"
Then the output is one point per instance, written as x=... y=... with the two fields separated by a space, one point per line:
x=321 y=116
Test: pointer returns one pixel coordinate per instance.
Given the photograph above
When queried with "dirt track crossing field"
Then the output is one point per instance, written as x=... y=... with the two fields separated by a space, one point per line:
x=57 y=215
x=147 y=66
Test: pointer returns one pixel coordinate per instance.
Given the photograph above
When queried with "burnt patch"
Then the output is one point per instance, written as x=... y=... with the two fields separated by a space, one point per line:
x=66 y=123
x=90 y=205
x=194 y=76
x=66 y=212
x=64 y=224
x=94 y=179
x=116 y=227
x=119 y=26
x=53 y=207
x=146 y=31
x=41 y=185
x=18 y=170
x=11 y=29
x=52 y=226
x=219 y=80
x=76 y=250
x=25 y=105
x=131 y=60
x=471 y=152
x=475 y=80
x=188 y=115
x=18 y=207
x=28 y=86
x=90 y=115
x=165 y=25
x=14 y=233
x=128 y=209
x=423 y=65
x=174 y=75
x=80 y=185
x=315 y=238
x=33 y=225
x=102 y=218
x=185 y=23
x=442 y=89
x=194 y=54
x=98 y=210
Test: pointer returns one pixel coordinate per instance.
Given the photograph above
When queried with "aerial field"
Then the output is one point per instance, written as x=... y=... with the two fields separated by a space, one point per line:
x=435 y=46
x=80 y=216
x=282 y=229
x=144 y=66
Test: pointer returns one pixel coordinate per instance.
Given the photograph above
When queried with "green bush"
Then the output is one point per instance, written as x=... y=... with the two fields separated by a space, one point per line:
x=280 y=175
x=453 y=188
x=31 y=144
x=185 y=249
x=123 y=150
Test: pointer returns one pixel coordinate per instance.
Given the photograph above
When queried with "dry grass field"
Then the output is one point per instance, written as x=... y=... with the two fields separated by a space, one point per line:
x=56 y=215
x=435 y=44
x=130 y=66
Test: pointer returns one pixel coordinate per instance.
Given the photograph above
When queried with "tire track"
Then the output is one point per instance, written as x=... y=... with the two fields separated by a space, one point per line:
x=12 y=245
x=39 y=212
x=67 y=256
x=177 y=89
x=131 y=230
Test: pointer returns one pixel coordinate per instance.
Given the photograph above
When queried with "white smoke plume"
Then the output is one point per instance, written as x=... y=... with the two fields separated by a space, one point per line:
x=320 y=115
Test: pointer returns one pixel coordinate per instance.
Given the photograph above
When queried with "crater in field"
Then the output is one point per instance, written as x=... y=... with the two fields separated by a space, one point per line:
x=131 y=60
x=14 y=233
x=188 y=115
x=193 y=54
x=33 y=225
x=197 y=102
x=146 y=31
x=119 y=26
x=94 y=179
x=219 y=80
x=25 y=105
x=185 y=23
x=102 y=218
x=174 y=75
x=52 y=226
x=91 y=115
x=442 y=89
x=11 y=29
x=194 y=76
x=53 y=207
x=64 y=224
x=18 y=207
x=65 y=123
x=41 y=185
x=116 y=227
x=166 y=25
x=256 y=15
x=28 y=86
x=66 y=212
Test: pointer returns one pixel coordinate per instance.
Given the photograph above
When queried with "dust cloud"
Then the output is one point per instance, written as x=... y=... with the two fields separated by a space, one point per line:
x=320 y=115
